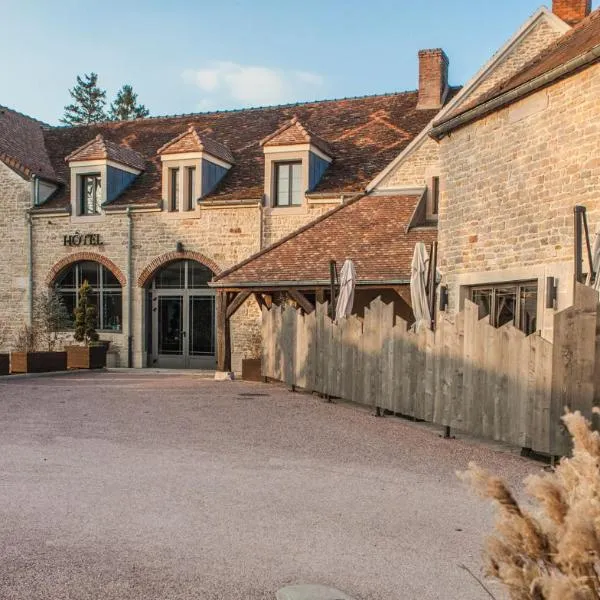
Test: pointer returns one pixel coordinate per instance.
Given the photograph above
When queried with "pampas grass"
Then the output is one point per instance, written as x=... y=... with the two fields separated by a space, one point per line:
x=554 y=553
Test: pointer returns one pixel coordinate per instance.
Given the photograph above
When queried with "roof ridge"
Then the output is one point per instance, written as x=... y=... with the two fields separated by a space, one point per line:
x=239 y=110
x=17 y=112
x=504 y=86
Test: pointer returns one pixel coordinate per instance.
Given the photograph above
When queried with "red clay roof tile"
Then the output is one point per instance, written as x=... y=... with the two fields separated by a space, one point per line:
x=364 y=134
x=370 y=230
x=191 y=141
x=99 y=149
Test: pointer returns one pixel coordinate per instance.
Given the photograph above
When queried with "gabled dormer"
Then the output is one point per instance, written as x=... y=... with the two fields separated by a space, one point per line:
x=192 y=166
x=100 y=172
x=295 y=160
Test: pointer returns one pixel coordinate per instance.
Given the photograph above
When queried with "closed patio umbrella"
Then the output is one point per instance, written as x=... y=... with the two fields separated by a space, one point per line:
x=347 y=285
x=418 y=295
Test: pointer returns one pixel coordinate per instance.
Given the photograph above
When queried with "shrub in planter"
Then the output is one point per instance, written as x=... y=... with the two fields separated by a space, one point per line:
x=25 y=358
x=92 y=354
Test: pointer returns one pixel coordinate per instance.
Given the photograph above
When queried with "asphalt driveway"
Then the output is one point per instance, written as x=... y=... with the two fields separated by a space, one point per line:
x=127 y=486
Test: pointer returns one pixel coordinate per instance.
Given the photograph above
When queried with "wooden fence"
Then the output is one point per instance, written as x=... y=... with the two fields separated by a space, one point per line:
x=470 y=376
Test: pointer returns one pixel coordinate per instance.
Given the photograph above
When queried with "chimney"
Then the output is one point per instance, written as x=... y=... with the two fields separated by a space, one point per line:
x=433 y=78
x=572 y=11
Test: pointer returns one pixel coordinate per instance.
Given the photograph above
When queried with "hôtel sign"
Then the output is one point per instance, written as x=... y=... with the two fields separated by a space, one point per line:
x=82 y=239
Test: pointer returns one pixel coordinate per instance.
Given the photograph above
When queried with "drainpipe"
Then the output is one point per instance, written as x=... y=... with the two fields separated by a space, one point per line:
x=34 y=188
x=129 y=288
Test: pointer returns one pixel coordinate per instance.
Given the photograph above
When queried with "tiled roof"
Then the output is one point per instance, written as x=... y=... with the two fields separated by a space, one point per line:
x=295 y=133
x=22 y=144
x=192 y=141
x=370 y=230
x=101 y=149
x=364 y=134
x=580 y=39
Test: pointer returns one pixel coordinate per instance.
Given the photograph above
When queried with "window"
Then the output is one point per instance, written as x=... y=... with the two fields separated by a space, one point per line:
x=106 y=292
x=508 y=303
x=435 y=195
x=288 y=184
x=90 y=194
x=173 y=190
x=190 y=186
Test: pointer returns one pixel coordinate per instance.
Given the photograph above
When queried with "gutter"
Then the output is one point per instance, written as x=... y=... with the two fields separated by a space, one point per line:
x=129 y=288
x=308 y=283
x=444 y=128
x=34 y=189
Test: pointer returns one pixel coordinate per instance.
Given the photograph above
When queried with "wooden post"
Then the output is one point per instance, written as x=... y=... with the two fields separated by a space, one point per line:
x=223 y=335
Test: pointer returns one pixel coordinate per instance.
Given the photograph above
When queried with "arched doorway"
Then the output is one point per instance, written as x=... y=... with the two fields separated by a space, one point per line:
x=181 y=317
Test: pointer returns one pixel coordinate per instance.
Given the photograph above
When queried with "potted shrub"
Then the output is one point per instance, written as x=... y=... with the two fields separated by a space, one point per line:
x=92 y=353
x=26 y=359
x=251 y=366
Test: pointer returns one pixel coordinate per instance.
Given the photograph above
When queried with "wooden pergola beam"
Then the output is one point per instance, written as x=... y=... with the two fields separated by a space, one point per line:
x=238 y=300
x=304 y=303
x=223 y=336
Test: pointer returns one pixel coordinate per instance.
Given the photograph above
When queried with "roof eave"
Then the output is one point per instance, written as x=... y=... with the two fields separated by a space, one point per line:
x=300 y=283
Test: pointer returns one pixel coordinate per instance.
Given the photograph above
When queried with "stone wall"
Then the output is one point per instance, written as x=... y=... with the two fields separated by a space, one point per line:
x=509 y=185
x=221 y=236
x=15 y=199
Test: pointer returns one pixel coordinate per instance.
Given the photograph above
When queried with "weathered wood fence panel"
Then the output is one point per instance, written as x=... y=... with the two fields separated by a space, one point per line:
x=470 y=376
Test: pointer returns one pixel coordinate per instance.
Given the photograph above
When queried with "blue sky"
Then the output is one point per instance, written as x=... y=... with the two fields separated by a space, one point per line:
x=187 y=56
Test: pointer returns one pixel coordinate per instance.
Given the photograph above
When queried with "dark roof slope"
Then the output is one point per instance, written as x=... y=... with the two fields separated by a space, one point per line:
x=364 y=134
x=371 y=230
x=584 y=37
x=22 y=144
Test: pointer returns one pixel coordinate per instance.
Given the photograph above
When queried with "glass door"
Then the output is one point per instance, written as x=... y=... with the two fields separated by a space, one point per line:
x=183 y=331
x=170 y=331
x=201 y=327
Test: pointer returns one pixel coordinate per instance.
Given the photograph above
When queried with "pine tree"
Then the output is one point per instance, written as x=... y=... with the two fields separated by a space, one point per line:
x=85 y=317
x=125 y=106
x=89 y=102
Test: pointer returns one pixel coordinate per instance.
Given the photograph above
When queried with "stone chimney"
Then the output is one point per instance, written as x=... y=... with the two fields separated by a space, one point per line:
x=433 y=78
x=572 y=11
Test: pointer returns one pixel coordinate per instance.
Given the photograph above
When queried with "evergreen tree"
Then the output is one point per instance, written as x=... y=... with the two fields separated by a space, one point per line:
x=85 y=317
x=125 y=106
x=89 y=102
x=50 y=317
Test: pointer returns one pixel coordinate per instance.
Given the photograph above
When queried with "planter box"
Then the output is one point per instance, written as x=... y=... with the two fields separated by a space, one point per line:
x=37 y=362
x=251 y=369
x=4 y=364
x=86 y=357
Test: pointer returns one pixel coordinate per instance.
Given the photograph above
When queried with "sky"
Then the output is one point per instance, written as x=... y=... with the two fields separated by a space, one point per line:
x=185 y=56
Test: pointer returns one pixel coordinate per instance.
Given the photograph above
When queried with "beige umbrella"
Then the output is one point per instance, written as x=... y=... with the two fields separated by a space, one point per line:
x=418 y=295
x=347 y=285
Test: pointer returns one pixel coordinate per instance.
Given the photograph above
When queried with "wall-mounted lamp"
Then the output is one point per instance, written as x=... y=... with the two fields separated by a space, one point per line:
x=443 y=298
x=551 y=291
x=179 y=247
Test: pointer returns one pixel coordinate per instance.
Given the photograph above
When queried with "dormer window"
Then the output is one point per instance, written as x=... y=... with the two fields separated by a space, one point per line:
x=100 y=172
x=192 y=167
x=288 y=183
x=295 y=161
x=90 y=194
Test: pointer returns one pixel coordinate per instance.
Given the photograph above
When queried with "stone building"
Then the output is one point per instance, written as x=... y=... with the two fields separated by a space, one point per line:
x=148 y=211
x=513 y=164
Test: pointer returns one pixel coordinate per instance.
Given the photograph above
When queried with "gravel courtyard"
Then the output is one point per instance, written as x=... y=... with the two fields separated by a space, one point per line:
x=163 y=487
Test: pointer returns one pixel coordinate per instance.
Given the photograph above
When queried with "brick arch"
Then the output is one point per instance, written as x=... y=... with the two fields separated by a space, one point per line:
x=81 y=256
x=150 y=271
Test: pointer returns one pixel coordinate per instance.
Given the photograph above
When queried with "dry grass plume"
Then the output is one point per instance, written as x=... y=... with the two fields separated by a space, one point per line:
x=553 y=554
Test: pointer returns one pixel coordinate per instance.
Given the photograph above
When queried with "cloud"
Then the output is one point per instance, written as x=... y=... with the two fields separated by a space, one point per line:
x=225 y=83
